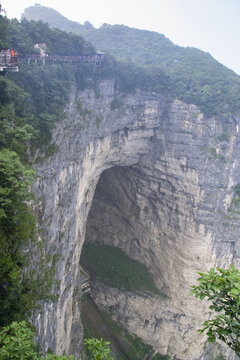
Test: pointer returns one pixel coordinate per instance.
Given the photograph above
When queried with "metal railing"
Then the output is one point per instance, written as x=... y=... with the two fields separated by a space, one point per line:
x=8 y=60
x=67 y=58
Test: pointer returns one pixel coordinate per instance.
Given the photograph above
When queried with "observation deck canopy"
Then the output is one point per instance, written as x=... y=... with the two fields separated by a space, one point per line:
x=8 y=62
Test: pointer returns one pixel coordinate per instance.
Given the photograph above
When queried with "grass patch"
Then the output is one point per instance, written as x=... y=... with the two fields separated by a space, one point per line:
x=86 y=332
x=114 y=268
x=219 y=357
x=214 y=153
x=112 y=325
x=236 y=199
x=161 y=357
x=223 y=137
x=138 y=349
x=79 y=106
x=51 y=150
x=237 y=190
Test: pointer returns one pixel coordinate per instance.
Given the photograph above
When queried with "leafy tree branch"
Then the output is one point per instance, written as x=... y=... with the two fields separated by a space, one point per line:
x=222 y=288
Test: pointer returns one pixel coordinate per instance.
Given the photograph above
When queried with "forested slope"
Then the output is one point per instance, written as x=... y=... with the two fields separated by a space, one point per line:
x=187 y=73
x=30 y=103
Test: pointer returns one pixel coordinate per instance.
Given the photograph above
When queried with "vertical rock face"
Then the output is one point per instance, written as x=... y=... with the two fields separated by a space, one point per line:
x=166 y=184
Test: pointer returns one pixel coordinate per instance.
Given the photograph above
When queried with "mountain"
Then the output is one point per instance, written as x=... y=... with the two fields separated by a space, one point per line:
x=147 y=183
x=124 y=43
x=146 y=48
x=189 y=73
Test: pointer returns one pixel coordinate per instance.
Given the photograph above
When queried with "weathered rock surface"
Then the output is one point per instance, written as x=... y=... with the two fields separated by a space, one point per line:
x=163 y=199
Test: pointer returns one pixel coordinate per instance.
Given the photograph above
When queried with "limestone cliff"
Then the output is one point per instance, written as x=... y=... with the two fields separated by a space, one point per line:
x=166 y=185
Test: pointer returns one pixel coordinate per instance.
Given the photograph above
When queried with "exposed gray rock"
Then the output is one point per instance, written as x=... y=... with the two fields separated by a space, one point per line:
x=163 y=201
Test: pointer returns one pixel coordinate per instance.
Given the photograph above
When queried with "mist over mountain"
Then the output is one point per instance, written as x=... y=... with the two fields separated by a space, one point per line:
x=191 y=74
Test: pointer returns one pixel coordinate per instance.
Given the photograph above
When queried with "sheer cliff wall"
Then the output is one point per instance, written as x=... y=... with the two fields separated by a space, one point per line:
x=167 y=176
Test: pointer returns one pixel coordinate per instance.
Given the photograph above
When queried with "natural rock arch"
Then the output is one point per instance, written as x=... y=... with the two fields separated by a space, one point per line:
x=162 y=147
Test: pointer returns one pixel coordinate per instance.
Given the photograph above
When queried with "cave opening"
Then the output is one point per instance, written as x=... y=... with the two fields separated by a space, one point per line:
x=120 y=255
x=121 y=227
x=142 y=250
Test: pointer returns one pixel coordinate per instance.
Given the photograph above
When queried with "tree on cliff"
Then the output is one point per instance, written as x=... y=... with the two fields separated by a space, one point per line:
x=222 y=288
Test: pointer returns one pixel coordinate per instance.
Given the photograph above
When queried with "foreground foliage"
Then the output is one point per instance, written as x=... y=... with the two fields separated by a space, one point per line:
x=98 y=349
x=222 y=288
x=17 y=343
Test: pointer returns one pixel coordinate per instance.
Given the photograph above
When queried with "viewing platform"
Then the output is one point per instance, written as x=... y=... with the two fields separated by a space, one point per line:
x=8 y=62
x=95 y=59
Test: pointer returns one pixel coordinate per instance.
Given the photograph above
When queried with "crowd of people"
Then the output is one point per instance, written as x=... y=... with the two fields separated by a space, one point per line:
x=8 y=57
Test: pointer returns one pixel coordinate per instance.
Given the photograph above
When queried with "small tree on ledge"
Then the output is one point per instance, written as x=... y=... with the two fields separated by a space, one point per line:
x=222 y=288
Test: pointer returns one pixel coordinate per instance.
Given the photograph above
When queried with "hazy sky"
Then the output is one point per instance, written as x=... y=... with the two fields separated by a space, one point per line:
x=210 y=25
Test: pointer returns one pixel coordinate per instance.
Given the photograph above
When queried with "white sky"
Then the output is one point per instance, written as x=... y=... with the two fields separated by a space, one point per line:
x=210 y=25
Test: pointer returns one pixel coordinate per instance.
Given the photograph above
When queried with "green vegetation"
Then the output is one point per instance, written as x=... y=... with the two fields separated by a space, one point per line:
x=3 y=32
x=51 y=150
x=220 y=357
x=223 y=137
x=17 y=343
x=114 y=268
x=31 y=101
x=23 y=35
x=186 y=73
x=98 y=349
x=237 y=190
x=214 y=153
x=79 y=106
x=233 y=215
x=19 y=289
x=160 y=357
x=16 y=220
x=222 y=289
x=100 y=324
x=236 y=199
x=137 y=349
x=116 y=104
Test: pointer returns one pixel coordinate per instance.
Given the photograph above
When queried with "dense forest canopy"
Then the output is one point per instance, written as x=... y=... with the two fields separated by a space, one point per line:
x=23 y=35
x=187 y=73
x=30 y=102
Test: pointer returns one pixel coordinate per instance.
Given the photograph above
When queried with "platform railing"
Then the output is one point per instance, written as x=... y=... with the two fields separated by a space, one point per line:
x=66 y=58
x=8 y=60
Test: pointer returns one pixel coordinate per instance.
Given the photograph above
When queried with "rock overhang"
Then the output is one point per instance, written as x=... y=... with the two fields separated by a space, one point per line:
x=162 y=148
